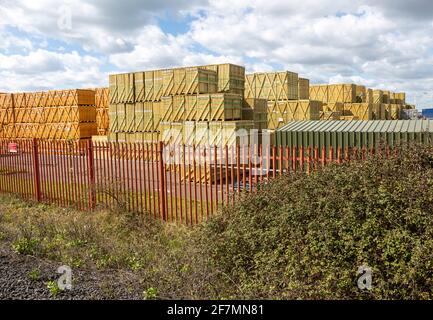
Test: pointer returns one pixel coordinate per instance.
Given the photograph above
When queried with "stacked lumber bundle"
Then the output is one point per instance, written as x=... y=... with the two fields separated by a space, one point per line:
x=145 y=104
x=360 y=102
x=200 y=139
x=231 y=78
x=60 y=115
x=304 y=89
x=6 y=109
x=362 y=111
x=272 y=86
x=287 y=94
x=331 y=115
x=343 y=93
x=281 y=112
x=101 y=103
x=206 y=133
x=332 y=111
x=204 y=107
x=256 y=110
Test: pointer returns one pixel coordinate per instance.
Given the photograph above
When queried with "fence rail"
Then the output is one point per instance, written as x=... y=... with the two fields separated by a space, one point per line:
x=178 y=183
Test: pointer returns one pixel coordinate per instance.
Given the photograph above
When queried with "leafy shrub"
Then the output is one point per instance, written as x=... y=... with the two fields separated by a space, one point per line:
x=306 y=236
x=150 y=294
x=25 y=246
x=34 y=275
x=53 y=287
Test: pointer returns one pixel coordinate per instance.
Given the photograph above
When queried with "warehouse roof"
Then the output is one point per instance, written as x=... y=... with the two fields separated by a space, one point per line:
x=360 y=126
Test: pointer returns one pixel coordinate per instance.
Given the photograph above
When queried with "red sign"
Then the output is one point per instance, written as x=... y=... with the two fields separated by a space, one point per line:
x=13 y=148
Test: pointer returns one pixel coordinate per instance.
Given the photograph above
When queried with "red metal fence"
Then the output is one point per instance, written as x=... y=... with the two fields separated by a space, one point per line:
x=178 y=183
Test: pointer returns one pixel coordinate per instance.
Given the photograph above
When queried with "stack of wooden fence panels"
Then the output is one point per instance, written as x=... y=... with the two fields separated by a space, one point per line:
x=360 y=102
x=56 y=114
x=142 y=105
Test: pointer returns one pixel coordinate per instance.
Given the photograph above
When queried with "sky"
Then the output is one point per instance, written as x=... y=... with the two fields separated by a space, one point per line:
x=388 y=44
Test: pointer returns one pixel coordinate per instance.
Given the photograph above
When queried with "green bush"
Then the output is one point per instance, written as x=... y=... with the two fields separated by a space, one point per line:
x=150 y=294
x=53 y=287
x=25 y=246
x=304 y=237
x=34 y=275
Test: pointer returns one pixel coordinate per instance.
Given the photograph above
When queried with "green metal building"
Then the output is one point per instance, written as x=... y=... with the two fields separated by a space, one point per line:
x=354 y=133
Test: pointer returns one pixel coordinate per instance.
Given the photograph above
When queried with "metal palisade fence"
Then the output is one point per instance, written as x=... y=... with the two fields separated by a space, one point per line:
x=175 y=182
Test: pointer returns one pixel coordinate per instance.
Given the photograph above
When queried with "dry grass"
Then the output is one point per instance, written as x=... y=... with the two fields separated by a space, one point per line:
x=160 y=255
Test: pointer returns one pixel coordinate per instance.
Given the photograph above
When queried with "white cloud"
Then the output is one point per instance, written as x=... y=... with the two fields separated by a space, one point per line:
x=386 y=44
x=156 y=49
x=328 y=41
x=104 y=25
x=11 y=43
x=47 y=70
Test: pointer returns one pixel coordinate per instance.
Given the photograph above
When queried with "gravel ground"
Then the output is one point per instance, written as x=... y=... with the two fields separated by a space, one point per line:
x=16 y=282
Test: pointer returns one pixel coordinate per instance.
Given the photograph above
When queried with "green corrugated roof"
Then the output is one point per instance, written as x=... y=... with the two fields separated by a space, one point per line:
x=412 y=126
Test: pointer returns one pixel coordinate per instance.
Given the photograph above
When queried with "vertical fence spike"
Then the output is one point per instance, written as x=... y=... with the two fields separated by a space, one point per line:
x=162 y=186
x=36 y=172
x=91 y=175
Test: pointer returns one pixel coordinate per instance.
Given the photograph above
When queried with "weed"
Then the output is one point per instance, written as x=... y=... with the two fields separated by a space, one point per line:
x=34 y=275
x=135 y=263
x=150 y=294
x=25 y=246
x=53 y=287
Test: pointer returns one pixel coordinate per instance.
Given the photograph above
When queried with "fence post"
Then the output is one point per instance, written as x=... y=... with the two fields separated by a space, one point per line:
x=274 y=162
x=339 y=155
x=36 y=172
x=323 y=156
x=162 y=185
x=91 y=175
x=316 y=158
x=301 y=158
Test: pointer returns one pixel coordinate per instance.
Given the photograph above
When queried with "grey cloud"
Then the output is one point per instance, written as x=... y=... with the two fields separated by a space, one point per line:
x=96 y=24
x=130 y=15
x=410 y=9
x=22 y=66
x=387 y=45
